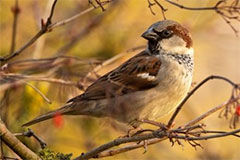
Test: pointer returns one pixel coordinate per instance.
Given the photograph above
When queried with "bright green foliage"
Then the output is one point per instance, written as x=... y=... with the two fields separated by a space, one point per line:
x=47 y=154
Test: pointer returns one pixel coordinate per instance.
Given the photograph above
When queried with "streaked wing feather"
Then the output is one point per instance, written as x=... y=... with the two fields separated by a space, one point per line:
x=133 y=75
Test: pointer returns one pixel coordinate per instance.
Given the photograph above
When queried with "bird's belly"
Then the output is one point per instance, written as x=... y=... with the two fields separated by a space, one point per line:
x=165 y=97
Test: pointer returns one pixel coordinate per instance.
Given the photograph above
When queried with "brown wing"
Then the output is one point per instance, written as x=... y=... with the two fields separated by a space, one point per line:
x=138 y=73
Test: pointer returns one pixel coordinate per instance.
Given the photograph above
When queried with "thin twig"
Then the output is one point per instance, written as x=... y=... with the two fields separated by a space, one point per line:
x=211 y=111
x=155 y=134
x=227 y=12
x=190 y=8
x=100 y=5
x=223 y=16
x=65 y=21
x=221 y=134
x=102 y=151
x=48 y=26
x=170 y=122
x=17 y=146
x=127 y=148
x=36 y=53
x=130 y=147
x=16 y=11
x=150 y=5
x=44 y=29
x=236 y=135
x=87 y=29
x=223 y=10
x=162 y=8
x=37 y=78
x=29 y=134
x=113 y=143
x=39 y=92
x=45 y=63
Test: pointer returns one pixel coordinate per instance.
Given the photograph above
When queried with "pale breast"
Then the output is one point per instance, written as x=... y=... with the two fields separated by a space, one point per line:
x=174 y=83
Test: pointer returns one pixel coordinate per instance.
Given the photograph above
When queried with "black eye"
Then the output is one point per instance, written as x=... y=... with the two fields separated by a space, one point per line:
x=166 y=33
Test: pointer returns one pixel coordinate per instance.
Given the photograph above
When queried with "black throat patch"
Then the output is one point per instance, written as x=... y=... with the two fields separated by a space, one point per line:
x=183 y=59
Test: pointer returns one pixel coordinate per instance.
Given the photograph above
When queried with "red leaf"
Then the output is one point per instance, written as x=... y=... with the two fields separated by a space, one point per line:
x=238 y=110
x=58 y=120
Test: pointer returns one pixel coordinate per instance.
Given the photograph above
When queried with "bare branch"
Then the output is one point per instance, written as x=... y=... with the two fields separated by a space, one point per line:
x=19 y=79
x=45 y=27
x=186 y=132
x=150 y=5
x=159 y=134
x=190 y=132
x=100 y=5
x=96 y=21
x=190 y=8
x=48 y=26
x=170 y=122
x=127 y=148
x=16 y=11
x=228 y=12
x=39 y=92
x=211 y=111
x=221 y=134
x=17 y=146
x=45 y=63
x=162 y=8
x=70 y=19
x=29 y=134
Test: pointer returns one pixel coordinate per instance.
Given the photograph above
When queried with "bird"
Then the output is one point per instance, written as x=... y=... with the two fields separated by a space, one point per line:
x=149 y=85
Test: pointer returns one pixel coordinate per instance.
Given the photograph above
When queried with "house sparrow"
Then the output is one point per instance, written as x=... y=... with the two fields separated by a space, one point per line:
x=147 y=86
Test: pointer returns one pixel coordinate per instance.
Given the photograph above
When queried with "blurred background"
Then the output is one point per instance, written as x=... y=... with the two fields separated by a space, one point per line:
x=98 y=36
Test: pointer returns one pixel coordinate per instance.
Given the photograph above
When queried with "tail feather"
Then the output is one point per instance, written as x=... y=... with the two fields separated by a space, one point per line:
x=62 y=111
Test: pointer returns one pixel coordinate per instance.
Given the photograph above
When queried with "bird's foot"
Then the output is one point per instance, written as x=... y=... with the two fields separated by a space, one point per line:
x=157 y=124
x=154 y=123
x=145 y=146
x=133 y=131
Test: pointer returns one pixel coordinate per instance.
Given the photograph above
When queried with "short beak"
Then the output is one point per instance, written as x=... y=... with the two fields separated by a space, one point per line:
x=149 y=35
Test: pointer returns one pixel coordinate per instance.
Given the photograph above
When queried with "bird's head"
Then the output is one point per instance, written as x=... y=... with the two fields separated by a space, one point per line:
x=169 y=36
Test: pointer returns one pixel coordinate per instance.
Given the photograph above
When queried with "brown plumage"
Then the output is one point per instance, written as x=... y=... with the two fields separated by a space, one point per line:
x=147 y=86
